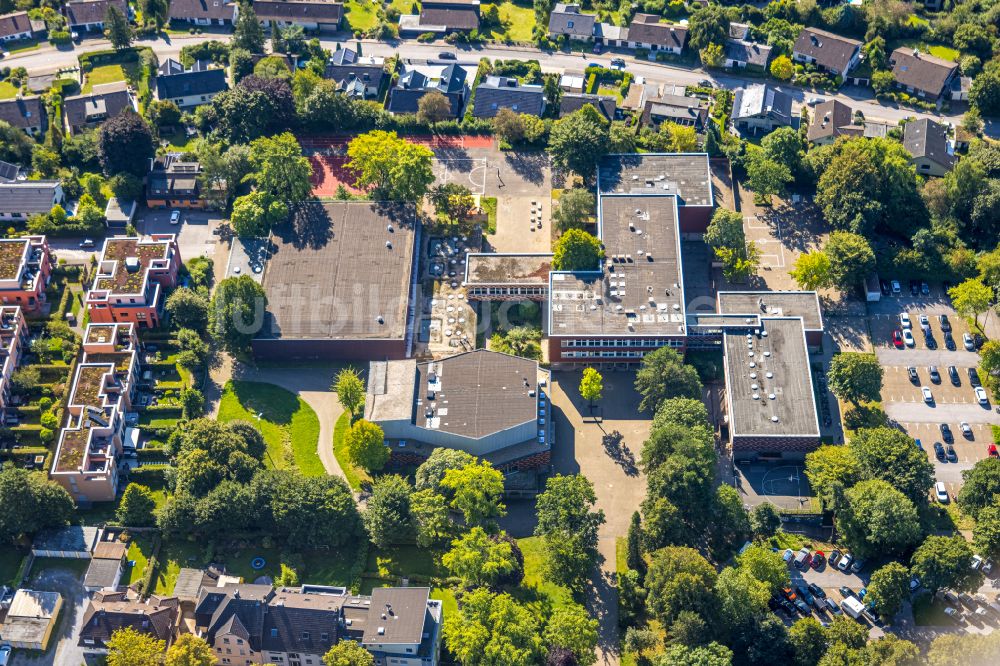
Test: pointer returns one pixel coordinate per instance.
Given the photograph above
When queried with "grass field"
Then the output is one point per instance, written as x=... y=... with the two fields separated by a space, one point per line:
x=518 y=21
x=7 y=91
x=138 y=552
x=360 y=14
x=21 y=45
x=356 y=476
x=103 y=74
x=937 y=50
x=536 y=590
x=284 y=416
x=405 y=6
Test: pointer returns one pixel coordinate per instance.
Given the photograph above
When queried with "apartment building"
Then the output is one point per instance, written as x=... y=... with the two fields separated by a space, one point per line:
x=13 y=341
x=86 y=459
x=132 y=276
x=25 y=267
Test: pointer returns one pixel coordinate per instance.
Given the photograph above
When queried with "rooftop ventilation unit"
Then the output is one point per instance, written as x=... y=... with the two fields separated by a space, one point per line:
x=131 y=264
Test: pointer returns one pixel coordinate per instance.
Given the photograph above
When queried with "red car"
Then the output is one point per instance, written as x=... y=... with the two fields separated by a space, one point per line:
x=992 y=451
x=818 y=559
x=897 y=339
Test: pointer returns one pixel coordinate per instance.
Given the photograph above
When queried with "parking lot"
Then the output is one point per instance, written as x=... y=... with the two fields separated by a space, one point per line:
x=194 y=232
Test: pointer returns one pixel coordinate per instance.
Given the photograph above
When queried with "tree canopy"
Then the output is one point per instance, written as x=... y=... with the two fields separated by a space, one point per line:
x=855 y=377
x=663 y=375
x=390 y=167
x=577 y=250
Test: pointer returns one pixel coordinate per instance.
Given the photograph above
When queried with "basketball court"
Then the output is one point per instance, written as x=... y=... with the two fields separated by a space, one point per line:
x=781 y=483
x=772 y=250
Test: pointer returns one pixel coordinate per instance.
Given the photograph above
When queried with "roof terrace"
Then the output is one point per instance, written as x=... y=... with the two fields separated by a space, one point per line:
x=12 y=252
x=125 y=264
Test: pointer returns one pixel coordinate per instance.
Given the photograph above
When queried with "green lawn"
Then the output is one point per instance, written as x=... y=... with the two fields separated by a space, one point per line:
x=937 y=50
x=10 y=563
x=405 y=6
x=360 y=14
x=138 y=552
x=103 y=74
x=7 y=91
x=173 y=557
x=181 y=142
x=355 y=475
x=331 y=567
x=536 y=590
x=621 y=554
x=283 y=415
x=64 y=564
x=518 y=21
x=929 y=612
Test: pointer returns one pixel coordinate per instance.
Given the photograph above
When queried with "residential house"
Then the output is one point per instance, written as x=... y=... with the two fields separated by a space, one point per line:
x=760 y=108
x=108 y=612
x=17 y=26
x=830 y=53
x=31 y=619
x=646 y=32
x=928 y=145
x=25 y=269
x=679 y=109
x=132 y=276
x=446 y=404
x=107 y=563
x=204 y=12
x=172 y=183
x=89 y=15
x=316 y=15
x=568 y=21
x=252 y=624
x=87 y=455
x=189 y=88
x=356 y=75
x=572 y=102
x=830 y=120
x=82 y=112
x=571 y=83
x=611 y=35
x=922 y=74
x=740 y=54
x=442 y=16
x=501 y=92
x=27 y=113
x=418 y=79
x=20 y=199
x=13 y=342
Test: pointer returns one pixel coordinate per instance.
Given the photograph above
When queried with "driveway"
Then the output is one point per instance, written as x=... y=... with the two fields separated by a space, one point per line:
x=64 y=651
x=194 y=233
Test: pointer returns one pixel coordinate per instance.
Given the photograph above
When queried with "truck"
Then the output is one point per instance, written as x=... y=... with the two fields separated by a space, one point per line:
x=853 y=607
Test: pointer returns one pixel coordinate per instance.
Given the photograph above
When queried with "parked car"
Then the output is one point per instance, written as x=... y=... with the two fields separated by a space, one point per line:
x=597 y=48
x=803 y=558
x=857 y=566
x=950 y=598
x=928 y=396
x=952 y=456
x=978 y=340
x=813 y=101
x=4 y=655
x=974 y=378
x=970 y=344
x=918 y=443
x=967 y=600
x=908 y=338
x=884 y=286
x=896 y=288
x=939 y=451
x=912 y=372
x=925 y=289
x=977 y=563
x=949 y=342
x=845 y=591
x=988 y=566
x=941 y=492
x=934 y=374
x=914 y=584
x=788 y=555
x=955 y=615
x=175 y=217
x=804 y=594
x=897 y=339
x=981 y=396
x=925 y=323
x=447 y=55
x=835 y=555
x=953 y=374
x=845 y=562
x=618 y=63
x=946 y=433
x=818 y=559
x=802 y=607
x=832 y=607
x=904 y=320
x=817 y=590
x=914 y=287
x=966 y=430
x=87 y=243
x=991 y=451
x=945 y=324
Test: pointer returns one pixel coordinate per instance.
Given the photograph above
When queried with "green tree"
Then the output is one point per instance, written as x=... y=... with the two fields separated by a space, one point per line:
x=493 y=630
x=781 y=68
x=577 y=250
x=680 y=138
x=889 y=588
x=387 y=515
x=785 y=146
x=478 y=560
x=986 y=532
x=366 y=447
x=287 y=577
x=272 y=67
x=942 y=562
x=709 y=25
x=663 y=375
x=188 y=309
x=568 y=526
x=855 y=377
x=280 y=168
x=579 y=140
x=571 y=627
x=125 y=144
x=350 y=390
x=248 y=33
x=808 y=639
x=29 y=503
x=237 y=313
x=476 y=490
x=726 y=229
x=971 y=298
x=764 y=565
x=713 y=654
x=812 y=270
x=309 y=511
x=979 y=486
x=574 y=210
x=189 y=650
x=453 y=203
x=765 y=520
x=128 y=647
x=431 y=518
x=524 y=341
x=136 y=506
x=389 y=167
x=712 y=56
x=892 y=456
x=117 y=29
x=431 y=472
x=348 y=653
x=433 y=107
x=633 y=544
x=829 y=467
x=741 y=597
x=591 y=386
x=878 y=518
x=766 y=177
x=851 y=259
x=679 y=579
x=255 y=213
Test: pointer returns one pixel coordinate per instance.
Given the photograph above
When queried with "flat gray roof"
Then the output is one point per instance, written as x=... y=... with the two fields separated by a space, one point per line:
x=803 y=304
x=684 y=174
x=476 y=394
x=340 y=268
x=640 y=291
x=507 y=269
x=779 y=367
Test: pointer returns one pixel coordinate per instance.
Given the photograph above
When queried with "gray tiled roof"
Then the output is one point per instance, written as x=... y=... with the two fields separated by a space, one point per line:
x=751 y=53
x=571 y=102
x=112 y=98
x=762 y=99
x=920 y=71
x=15 y=24
x=202 y=9
x=184 y=84
x=647 y=29
x=449 y=14
x=828 y=119
x=305 y=11
x=29 y=197
x=927 y=139
x=830 y=51
x=82 y=12
x=499 y=92
x=24 y=112
x=567 y=20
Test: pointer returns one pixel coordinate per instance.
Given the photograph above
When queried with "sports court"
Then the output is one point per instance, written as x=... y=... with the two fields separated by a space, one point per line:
x=768 y=239
x=781 y=483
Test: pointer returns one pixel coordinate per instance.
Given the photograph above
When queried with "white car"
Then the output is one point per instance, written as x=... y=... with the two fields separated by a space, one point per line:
x=924 y=321
x=977 y=562
x=940 y=492
x=904 y=320
x=845 y=562
x=908 y=338
x=813 y=101
x=981 y=396
x=928 y=396
x=175 y=217
x=966 y=429
x=967 y=340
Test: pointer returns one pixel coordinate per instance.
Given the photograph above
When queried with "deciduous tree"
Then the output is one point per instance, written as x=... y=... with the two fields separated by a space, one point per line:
x=808 y=639
x=572 y=628
x=387 y=515
x=663 y=375
x=136 y=506
x=574 y=210
x=812 y=270
x=125 y=144
x=568 y=525
x=433 y=107
x=280 y=168
x=128 y=647
x=855 y=377
x=851 y=259
x=829 y=467
x=892 y=456
x=781 y=68
x=237 y=312
x=679 y=579
x=366 y=445
x=579 y=140
x=493 y=630
x=942 y=562
x=479 y=560
x=889 y=588
x=878 y=518
x=350 y=390
x=188 y=309
x=189 y=650
x=476 y=491
x=591 y=386
x=389 y=167
x=576 y=250
x=29 y=502
x=979 y=486
x=764 y=565
x=971 y=298
x=348 y=653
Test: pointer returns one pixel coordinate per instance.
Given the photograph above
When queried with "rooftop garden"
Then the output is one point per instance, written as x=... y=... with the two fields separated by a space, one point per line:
x=10 y=258
x=71 y=451
x=90 y=381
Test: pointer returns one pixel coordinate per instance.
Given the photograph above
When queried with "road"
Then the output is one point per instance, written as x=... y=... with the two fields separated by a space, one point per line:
x=48 y=59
